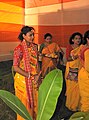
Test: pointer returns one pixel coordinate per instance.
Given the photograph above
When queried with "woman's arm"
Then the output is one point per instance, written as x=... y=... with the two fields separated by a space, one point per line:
x=86 y=62
x=21 y=71
x=18 y=55
x=68 y=51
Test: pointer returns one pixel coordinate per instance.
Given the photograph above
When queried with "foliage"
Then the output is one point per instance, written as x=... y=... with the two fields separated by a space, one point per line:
x=15 y=104
x=80 y=116
x=48 y=94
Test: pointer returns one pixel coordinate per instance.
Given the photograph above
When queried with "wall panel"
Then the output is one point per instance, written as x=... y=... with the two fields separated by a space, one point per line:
x=11 y=21
x=61 y=19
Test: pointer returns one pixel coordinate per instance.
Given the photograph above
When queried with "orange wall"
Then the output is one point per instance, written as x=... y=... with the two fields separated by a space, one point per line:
x=60 y=34
x=11 y=19
x=38 y=3
x=59 y=17
x=61 y=21
x=10 y=32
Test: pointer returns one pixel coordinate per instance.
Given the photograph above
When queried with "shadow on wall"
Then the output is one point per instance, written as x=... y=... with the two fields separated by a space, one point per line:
x=62 y=24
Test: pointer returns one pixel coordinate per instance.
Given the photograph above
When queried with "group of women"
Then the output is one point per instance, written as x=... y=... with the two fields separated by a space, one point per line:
x=77 y=72
x=26 y=65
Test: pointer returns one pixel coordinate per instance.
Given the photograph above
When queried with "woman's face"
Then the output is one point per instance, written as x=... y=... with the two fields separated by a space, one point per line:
x=48 y=39
x=77 y=39
x=29 y=37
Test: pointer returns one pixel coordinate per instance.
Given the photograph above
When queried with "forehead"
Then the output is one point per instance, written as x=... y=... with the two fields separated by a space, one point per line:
x=48 y=37
x=77 y=36
x=30 y=32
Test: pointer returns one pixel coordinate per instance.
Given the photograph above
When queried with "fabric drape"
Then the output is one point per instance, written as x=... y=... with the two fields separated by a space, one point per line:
x=72 y=87
x=84 y=79
x=49 y=60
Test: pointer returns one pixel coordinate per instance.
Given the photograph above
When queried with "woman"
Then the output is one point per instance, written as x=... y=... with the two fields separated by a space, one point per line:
x=50 y=51
x=26 y=67
x=83 y=78
x=71 y=75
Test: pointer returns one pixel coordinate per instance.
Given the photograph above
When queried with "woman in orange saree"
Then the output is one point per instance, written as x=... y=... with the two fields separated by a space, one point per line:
x=83 y=78
x=50 y=52
x=26 y=66
x=73 y=64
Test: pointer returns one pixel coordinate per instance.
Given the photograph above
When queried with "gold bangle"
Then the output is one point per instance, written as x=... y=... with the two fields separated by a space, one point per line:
x=72 y=58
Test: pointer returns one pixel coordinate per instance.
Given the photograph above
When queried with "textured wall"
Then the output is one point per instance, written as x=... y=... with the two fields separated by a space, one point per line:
x=11 y=21
x=59 y=17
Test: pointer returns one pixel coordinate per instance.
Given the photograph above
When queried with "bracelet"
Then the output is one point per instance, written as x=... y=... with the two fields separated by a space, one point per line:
x=29 y=75
x=72 y=58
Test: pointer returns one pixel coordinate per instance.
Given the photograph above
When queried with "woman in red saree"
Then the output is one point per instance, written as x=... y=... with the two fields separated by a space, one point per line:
x=26 y=66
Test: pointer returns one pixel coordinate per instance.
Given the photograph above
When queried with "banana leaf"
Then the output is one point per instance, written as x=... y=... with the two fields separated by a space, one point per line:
x=80 y=116
x=15 y=104
x=49 y=91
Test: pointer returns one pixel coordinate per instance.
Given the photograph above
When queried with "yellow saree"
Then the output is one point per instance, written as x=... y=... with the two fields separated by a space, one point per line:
x=84 y=82
x=20 y=82
x=72 y=87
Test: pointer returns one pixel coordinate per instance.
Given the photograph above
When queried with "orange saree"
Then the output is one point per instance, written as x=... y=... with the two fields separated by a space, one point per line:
x=49 y=60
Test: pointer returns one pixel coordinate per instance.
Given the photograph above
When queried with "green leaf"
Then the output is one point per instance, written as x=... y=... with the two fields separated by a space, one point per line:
x=15 y=104
x=48 y=94
x=80 y=116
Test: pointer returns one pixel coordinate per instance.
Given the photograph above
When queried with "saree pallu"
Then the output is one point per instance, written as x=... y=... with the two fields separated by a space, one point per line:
x=49 y=63
x=21 y=93
x=20 y=86
x=47 y=66
x=84 y=89
x=72 y=87
x=83 y=80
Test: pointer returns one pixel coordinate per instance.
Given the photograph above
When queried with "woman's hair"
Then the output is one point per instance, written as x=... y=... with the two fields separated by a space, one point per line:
x=86 y=35
x=24 y=31
x=73 y=36
x=46 y=35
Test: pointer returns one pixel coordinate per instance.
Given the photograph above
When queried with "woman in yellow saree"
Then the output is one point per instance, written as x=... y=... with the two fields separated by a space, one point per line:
x=71 y=75
x=83 y=78
x=25 y=65
x=50 y=53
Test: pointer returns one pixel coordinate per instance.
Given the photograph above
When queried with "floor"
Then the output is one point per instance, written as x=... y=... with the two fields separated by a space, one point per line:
x=6 y=83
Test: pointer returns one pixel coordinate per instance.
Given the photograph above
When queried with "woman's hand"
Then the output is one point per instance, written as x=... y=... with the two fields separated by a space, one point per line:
x=74 y=57
x=21 y=71
x=38 y=79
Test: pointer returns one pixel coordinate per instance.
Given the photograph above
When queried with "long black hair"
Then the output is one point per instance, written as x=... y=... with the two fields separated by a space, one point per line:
x=46 y=35
x=73 y=36
x=86 y=35
x=24 y=31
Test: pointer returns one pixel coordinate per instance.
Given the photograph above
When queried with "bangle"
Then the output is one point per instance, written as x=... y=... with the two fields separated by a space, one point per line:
x=72 y=58
x=28 y=75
